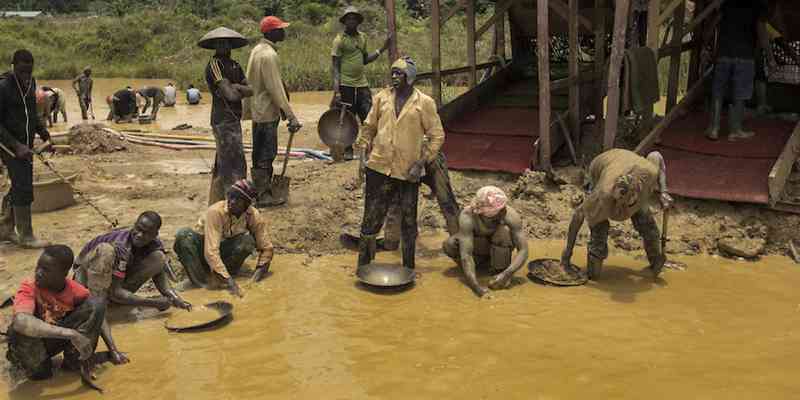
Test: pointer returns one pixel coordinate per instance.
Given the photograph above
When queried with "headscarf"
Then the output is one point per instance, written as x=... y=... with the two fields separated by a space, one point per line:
x=488 y=202
x=245 y=188
x=409 y=68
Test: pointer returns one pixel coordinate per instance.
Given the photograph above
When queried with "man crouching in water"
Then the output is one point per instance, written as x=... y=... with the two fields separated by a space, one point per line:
x=489 y=231
x=621 y=185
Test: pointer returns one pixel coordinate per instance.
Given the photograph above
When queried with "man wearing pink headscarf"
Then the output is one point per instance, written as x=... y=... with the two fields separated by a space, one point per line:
x=489 y=231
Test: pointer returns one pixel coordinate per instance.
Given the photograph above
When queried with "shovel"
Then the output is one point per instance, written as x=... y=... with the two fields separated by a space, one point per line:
x=280 y=183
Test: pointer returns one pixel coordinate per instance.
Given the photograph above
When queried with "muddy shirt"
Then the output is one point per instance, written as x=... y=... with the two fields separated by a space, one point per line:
x=600 y=205
x=84 y=86
x=125 y=253
x=19 y=121
x=351 y=50
x=738 y=27
x=46 y=305
x=151 y=91
x=125 y=102
x=169 y=95
x=223 y=110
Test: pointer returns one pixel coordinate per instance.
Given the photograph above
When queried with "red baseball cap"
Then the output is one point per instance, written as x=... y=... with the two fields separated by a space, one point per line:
x=271 y=23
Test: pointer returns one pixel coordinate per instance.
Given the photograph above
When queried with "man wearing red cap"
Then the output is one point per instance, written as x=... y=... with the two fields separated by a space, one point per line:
x=269 y=104
x=229 y=232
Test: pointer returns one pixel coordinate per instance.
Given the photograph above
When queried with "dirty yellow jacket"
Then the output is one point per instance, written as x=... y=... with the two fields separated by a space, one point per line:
x=400 y=141
x=218 y=224
x=264 y=76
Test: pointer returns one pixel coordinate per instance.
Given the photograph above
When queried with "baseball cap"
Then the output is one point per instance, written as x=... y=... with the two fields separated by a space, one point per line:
x=271 y=23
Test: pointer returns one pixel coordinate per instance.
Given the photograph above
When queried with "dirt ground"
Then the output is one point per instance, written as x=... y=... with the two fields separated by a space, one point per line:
x=325 y=198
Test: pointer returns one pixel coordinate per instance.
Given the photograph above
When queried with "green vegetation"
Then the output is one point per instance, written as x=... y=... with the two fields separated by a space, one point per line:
x=160 y=41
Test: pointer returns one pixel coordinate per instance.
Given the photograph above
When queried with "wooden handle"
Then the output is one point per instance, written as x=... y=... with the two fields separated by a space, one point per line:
x=288 y=149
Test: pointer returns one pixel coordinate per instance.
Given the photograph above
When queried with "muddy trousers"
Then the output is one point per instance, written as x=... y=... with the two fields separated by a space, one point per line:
x=85 y=103
x=33 y=354
x=190 y=249
x=95 y=269
x=643 y=222
x=265 y=150
x=21 y=174
x=155 y=102
x=382 y=191
x=494 y=252
x=229 y=162
x=437 y=179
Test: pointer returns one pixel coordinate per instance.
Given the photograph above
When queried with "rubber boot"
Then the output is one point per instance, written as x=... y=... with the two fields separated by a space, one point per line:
x=367 y=247
x=409 y=253
x=391 y=229
x=262 y=182
x=7 y=232
x=736 y=118
x=762 y=108
x=22 y=219
x=657 y=264
x=593 y=267
x=716 y=112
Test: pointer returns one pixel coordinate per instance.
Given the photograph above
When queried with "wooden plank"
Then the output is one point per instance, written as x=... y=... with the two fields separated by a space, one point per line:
x=499 y=12
x=670 y=50
x=783 y=166
x=671 y=8
x=615 y=65
x=703 y=15
x=391 y=24
x=599 y=62
x=678 y=110
x=456 y=71
x=500 y=37
x=697 y=48
x=453 y=11
x=543 y=53
x=564 y=11
x=574 y=72
x=472 y=76
x=653 y=27
x=436 y=54
x=675 y=60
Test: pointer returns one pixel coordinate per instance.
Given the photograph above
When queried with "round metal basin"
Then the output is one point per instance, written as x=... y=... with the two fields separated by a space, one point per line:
x=51 y=193
x=385 y=275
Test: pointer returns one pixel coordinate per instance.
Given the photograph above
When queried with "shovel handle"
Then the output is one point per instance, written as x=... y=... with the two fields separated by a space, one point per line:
x=288 y=150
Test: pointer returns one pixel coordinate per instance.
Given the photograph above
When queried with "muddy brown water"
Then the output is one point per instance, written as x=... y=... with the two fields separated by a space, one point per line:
x=720 y=330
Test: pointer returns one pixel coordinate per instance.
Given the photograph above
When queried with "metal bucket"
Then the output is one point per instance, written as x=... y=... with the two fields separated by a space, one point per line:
x=51 y=193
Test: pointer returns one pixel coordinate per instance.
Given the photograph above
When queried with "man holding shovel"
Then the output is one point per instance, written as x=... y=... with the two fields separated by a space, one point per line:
x=19 y=124
x=228 y=86
x=83 y=88
x=269 y=104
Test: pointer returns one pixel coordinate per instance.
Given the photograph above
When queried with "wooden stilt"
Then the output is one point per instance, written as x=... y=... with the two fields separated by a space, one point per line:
x=574 y=72
x=675 y=59
x=694 y=60
x=653 y=25
x=436 y=54
x=615 y=65
x=391 y=25
x=471 y=54
x=599 y=62
x=543 y=53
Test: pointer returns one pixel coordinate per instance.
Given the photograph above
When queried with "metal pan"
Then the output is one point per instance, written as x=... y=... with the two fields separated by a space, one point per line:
x=549 y=271
x=225 y=315
x=338 y=128
x=385 y=275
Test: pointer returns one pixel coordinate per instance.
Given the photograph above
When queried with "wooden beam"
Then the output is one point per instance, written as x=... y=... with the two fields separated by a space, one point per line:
x=500 y=37
x=615 y=65
x=675 y=60
x=697 y=48
x=671 y=7
x=456 y=71
x=499 y=12
x=670 y=50
x=472 y=76
x=703 y=15
x=453 y=11
x=564 y=12
x=436 y=54
x=653 y=26
x=671 y=116
x=543 y=55
x=575 y=115
x=783 y=166
x=391 y=25
x=599 y=62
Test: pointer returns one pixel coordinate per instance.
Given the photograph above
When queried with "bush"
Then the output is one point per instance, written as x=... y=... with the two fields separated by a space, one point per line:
x=315 y=13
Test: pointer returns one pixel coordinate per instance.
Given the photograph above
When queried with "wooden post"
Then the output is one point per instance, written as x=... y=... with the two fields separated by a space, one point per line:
x=543 y=53
x=675 y=59
x=500 y=37
x=471 y=56
x=599 y=62
x=697 y=36
x=574 y=72
x=436 y=53
x=391 y=25
x=653 y=26
x=615 y=65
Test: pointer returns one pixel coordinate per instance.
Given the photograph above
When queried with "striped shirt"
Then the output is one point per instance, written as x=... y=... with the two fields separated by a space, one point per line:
x=126 y=254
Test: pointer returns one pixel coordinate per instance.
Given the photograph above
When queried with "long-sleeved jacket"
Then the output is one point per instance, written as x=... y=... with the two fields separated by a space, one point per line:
x=269 y=95
x=19 y=122
x=400 y=141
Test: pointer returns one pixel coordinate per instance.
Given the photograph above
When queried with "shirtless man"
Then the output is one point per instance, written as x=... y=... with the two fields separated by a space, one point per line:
x=489 y=231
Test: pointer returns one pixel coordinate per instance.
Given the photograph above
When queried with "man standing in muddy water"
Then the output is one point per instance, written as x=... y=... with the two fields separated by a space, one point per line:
x=489 y=231
x=19 y=125
x=228 y=86
x=269 y=104
x=229 y=232
x=621 y=186
x=406 y=133
x=83 y=88
x=153 y=96
x=350 y=58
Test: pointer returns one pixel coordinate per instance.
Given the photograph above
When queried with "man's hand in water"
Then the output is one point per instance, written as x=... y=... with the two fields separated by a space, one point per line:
x=119 y=358
x=181 y=303
x=501 y=281
x=234 y=288
x=82 y=344
x=261 y=271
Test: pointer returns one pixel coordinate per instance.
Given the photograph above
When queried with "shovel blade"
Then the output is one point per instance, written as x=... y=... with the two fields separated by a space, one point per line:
x=280 y=189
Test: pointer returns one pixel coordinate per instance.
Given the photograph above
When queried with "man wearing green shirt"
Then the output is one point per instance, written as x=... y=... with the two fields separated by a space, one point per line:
x=350 y=57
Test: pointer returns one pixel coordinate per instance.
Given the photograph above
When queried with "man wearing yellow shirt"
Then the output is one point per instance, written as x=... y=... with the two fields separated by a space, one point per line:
x=350 y=57
x=224 y=237
x=405 y=133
